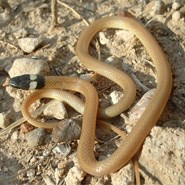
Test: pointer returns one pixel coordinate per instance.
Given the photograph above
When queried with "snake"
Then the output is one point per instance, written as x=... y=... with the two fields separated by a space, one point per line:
x=51 y=85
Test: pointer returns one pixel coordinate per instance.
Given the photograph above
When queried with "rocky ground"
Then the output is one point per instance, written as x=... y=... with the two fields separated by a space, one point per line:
x=30 y=43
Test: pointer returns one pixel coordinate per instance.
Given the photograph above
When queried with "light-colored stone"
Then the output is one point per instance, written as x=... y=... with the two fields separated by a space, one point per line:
x=62 y=149
x=15 y=136
x=29 y=66
x=56 y=110
x=116 y=96
x=33 y=160
x=103 y=39
x=110 y=60
x=163 y=156
x=30 y=44
x=35 y=137
x=75 y=176
x=31 y=173
x=176 y=16
x=176 y=5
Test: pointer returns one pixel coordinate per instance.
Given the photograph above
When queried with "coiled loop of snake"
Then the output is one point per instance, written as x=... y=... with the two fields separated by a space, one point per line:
x=135 y=138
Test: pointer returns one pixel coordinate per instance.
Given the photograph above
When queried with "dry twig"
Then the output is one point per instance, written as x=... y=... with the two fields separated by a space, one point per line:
x=54 y=20
x=75 y=13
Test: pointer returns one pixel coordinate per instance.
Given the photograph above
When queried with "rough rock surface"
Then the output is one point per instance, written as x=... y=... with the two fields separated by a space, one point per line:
x=29 y=66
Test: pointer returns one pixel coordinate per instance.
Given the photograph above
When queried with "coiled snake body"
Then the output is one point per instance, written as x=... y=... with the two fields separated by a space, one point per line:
x=90 y=110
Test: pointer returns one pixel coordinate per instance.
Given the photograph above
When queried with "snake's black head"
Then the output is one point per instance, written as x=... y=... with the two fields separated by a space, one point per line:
x=27 y=82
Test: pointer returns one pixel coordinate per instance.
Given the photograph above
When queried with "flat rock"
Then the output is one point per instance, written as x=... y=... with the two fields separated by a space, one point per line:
x=163 y=156
x=29 y=66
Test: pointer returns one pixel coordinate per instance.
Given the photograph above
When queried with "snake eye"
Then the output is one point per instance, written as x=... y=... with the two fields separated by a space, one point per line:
x=27 y=82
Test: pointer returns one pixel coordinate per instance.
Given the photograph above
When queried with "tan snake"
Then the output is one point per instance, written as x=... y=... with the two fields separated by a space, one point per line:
x=90 y=110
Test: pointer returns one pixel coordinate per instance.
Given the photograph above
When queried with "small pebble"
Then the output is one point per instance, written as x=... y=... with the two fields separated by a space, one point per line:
x=56 y=110
x=75 y=175
x=31 y=173
x=103 y=39
x=176 y=16
x=110 y=60
x=33 y=160
x=30 y=44
x=68 y=130
x=62 y=149
x=14 y=136
x=116 y=96
x=35 y=137
x=176 y=5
